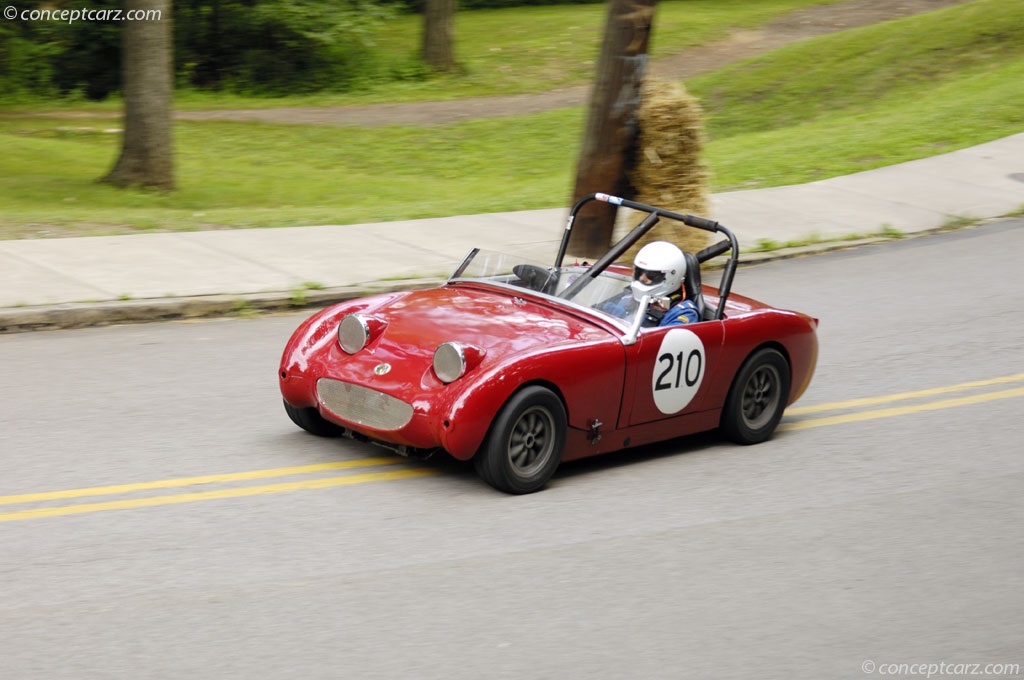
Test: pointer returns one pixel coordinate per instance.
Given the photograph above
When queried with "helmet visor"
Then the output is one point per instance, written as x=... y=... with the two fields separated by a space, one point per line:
x=653 y=276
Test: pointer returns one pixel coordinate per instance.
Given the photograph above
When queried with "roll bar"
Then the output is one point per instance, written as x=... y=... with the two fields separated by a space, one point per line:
x=730 y=245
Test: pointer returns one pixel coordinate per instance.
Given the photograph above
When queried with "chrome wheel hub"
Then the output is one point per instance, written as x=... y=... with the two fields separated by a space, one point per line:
x=532 y=440
x=761 y=397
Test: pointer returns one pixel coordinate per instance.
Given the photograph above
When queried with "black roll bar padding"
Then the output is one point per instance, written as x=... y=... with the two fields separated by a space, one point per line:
x=725 y=286
x=731 y=245
x=713 y=251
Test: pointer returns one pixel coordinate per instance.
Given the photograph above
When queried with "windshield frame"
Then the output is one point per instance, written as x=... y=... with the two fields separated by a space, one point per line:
x=496 y=269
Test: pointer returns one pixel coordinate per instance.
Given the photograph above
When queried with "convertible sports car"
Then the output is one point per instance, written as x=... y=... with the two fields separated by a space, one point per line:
x=519 y=366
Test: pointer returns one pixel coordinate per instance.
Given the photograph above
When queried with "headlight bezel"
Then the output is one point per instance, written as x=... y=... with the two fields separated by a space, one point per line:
x=454 y=359
x=450 y=361
x=353 y=333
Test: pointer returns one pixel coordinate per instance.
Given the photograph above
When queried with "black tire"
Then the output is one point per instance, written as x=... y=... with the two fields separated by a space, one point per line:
x=757 y=398
x=525 y=443
x=310 y=420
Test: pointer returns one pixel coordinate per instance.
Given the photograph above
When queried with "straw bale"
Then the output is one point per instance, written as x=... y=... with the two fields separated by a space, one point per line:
x=668 y=171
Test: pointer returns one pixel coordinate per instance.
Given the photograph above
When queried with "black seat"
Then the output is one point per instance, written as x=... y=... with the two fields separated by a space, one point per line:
x=691 y=284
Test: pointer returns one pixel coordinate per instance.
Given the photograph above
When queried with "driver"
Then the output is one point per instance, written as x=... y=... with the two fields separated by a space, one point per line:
x=658 y=271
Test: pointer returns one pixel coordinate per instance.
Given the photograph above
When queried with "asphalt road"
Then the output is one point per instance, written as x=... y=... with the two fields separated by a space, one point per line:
x=863 y=536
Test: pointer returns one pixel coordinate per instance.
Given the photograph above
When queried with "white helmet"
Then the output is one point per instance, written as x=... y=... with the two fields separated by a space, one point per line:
x=664 y=266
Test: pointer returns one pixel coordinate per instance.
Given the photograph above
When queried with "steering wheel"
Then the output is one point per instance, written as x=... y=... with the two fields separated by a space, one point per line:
x=537 y=278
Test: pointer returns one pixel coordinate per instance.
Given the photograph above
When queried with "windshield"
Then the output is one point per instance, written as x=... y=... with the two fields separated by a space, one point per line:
x=606 y=293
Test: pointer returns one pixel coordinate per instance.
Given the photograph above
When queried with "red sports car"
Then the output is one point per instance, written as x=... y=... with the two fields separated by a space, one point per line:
x=521 y=366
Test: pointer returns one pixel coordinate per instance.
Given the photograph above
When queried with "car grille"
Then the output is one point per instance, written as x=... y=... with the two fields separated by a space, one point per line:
x=362 y=405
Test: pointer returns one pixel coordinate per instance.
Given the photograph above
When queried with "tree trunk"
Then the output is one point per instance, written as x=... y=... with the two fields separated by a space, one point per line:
x=609 y=140
x=147 y=154
x=439 y=34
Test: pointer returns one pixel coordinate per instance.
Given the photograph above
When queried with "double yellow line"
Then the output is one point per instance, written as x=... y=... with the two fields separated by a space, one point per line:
x=793 y=421
x=890 y=412
x=230 y=492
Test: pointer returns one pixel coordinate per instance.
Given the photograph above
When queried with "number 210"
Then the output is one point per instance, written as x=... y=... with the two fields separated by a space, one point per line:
x=688 y=370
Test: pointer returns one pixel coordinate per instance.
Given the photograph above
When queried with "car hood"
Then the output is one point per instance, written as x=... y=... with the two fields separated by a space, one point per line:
x=498 y=322
x=507 y=330
x=408 y=327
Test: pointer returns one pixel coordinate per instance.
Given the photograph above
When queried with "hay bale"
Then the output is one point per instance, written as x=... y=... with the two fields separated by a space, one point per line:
x=668 y=171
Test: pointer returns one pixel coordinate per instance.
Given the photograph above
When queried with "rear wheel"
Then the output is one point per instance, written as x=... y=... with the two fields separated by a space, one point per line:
x=757 y=398
x=310 y=420
x=525 y=443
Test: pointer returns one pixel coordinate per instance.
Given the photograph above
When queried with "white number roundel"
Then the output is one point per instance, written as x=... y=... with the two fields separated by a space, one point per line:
x=678 y=370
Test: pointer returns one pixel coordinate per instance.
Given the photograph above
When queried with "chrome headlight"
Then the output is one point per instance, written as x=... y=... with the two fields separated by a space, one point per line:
x=449 y=362
x=452 y=360
x=353 y=333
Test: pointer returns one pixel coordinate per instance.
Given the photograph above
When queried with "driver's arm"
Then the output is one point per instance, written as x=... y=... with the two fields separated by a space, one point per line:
x=683 y=312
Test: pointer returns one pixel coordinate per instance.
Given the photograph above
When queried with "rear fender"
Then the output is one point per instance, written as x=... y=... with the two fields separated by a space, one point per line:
x=792 y=333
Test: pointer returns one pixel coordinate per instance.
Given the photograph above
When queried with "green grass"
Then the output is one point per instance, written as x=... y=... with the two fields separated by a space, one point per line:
x=868 y=97
x=972 y=107
x=852 y=70
x=535 y=49
x=765 y=245
x=503 y=51
x=890 y=93
x=248 y=175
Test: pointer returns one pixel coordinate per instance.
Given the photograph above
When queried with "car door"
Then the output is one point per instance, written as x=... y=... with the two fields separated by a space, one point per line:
x=670 y=372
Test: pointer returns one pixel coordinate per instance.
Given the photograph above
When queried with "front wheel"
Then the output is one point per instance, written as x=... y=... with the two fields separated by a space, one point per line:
x=757 y=398
x=525 y=443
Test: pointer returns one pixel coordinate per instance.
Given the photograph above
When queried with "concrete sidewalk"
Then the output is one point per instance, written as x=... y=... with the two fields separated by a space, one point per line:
x=54 y=283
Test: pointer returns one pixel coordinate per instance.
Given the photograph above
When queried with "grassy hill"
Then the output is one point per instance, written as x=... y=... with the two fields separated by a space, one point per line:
x=868 y=97
x=837 y=104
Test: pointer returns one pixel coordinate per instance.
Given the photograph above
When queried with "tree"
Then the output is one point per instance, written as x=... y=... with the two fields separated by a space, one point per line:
x=610 y=134
x=439 y=34
x=147 y=155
